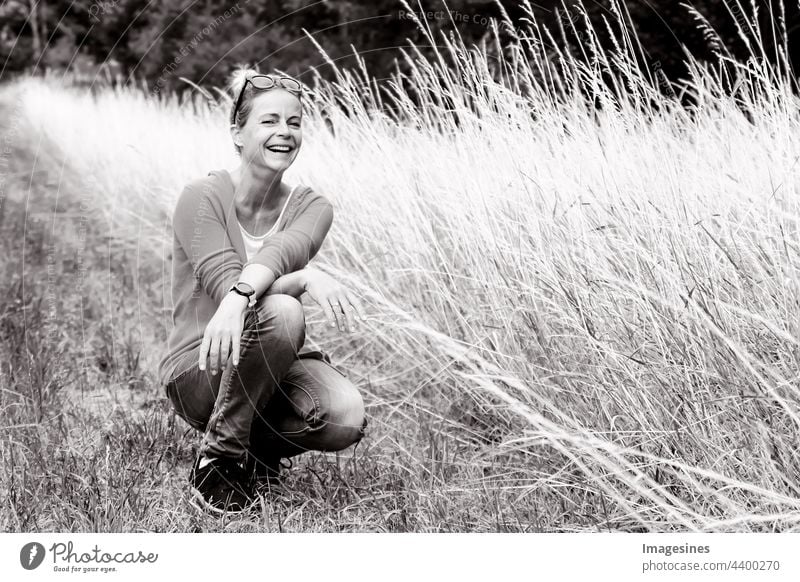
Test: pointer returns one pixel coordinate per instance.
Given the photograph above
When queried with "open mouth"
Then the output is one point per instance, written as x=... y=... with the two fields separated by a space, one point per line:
x=280 y=149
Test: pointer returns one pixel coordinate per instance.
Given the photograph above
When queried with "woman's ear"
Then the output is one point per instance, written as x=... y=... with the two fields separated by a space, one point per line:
x=237 y=139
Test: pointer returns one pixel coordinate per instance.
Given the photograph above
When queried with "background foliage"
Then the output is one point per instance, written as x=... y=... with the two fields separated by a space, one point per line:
x=142 y=40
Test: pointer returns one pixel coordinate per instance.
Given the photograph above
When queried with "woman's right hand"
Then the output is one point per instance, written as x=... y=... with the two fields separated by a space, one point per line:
x=223 y=333
x=341 y=306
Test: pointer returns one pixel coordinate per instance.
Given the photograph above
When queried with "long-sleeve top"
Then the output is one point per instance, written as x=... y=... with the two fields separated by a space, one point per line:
x=209 y=254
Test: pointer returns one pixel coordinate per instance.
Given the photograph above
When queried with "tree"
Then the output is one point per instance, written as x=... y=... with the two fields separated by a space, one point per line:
x=203 y=39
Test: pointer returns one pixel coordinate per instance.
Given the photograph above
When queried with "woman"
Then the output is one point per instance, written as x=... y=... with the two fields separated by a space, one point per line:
x=242 y=242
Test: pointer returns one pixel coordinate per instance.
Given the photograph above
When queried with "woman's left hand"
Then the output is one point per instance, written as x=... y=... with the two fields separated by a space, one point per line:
x=341 y=306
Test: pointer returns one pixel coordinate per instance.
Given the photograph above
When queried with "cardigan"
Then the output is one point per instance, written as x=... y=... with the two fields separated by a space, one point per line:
x=209 y=255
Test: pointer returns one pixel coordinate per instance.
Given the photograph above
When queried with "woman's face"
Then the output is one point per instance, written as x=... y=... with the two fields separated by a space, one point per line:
x=272 y=135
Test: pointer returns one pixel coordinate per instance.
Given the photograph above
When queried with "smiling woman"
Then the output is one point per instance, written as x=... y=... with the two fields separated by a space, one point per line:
x=242 y=243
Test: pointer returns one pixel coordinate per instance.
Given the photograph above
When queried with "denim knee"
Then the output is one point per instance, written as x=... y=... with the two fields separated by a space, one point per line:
x=342 y=420
x=282 y=316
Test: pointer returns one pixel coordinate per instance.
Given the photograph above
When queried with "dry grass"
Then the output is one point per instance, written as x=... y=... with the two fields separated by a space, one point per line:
x=580 y=318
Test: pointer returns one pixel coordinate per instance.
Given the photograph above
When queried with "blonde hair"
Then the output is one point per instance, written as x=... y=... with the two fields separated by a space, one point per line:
x=235 y=83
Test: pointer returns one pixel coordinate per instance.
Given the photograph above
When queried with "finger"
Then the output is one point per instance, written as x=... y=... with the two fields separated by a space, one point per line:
x=349 y=313
x=225 y=344
x=358 y=310
x=235 y=350
x=337 y=310
x=356 y=302
x=203 y=352
x=214 y=355
x=329 y=312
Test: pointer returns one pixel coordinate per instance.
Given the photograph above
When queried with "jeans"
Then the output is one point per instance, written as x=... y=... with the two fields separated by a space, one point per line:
x=276 y=402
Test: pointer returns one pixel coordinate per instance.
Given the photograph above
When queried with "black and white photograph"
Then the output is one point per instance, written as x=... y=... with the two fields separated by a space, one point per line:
x=323 y=267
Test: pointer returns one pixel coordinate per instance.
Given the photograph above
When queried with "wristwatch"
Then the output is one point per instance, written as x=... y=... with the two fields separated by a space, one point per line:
x=245 y=290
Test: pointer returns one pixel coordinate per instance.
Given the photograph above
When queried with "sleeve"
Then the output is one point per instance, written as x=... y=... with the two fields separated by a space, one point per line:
x=200 y=230
x=291 y=249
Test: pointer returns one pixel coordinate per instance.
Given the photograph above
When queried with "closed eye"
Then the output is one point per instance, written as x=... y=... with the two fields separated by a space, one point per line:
x=293 y=123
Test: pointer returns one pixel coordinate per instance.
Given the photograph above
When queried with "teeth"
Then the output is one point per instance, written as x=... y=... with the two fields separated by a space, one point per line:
x=284 y=149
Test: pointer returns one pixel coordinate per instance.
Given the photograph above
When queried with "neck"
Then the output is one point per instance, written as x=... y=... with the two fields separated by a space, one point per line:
x=256 y=189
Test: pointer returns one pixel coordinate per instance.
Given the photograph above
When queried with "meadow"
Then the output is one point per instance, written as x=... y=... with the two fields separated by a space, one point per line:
x=582 y=312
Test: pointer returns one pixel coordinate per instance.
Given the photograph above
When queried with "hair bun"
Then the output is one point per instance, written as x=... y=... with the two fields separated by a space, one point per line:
x=238 y=76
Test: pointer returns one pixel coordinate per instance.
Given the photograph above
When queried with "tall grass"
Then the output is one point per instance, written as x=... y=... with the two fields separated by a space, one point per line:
x=583 y=298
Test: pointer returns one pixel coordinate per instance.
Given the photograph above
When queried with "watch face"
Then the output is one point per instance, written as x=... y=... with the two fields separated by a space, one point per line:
x=245 y=288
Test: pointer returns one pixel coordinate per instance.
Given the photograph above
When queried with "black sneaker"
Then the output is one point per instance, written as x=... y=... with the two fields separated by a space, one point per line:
x=221 y=486
x=266 y=471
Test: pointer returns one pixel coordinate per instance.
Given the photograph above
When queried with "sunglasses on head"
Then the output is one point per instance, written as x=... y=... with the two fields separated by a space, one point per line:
x=264 y=83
